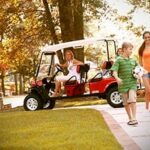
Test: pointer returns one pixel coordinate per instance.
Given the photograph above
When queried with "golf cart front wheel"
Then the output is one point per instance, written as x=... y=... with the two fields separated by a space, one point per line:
x=114 y=98
x=50 y=104
x=32 y=103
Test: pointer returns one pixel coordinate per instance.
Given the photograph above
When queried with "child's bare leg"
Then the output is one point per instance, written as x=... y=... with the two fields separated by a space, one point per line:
x=133 y=110
x=127 y=108
x=132 y=105
x=126 y=105
x=147 y=91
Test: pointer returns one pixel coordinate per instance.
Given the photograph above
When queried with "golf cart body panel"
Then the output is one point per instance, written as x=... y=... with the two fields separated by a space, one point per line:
x=102 y=85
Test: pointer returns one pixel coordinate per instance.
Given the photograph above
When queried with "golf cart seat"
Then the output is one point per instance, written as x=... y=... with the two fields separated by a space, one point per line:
x=83 y=70
x=74 y=87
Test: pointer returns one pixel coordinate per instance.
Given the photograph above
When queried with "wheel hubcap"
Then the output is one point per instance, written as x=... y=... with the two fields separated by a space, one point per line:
x=116 y=98
x=32 y=104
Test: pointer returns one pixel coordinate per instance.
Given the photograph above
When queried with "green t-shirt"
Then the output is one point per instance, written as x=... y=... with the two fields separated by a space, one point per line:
x=124 y=67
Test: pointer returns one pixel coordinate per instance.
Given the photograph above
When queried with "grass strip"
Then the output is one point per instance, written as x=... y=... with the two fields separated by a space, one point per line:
x=68 y=129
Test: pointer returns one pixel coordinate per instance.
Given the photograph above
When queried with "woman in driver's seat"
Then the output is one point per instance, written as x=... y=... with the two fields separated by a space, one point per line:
x=71 y=65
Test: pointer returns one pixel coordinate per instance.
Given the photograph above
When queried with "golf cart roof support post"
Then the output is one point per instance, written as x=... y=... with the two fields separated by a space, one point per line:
x=107 y=49
x=39 y=65
x=115 y=47
x=50 y=67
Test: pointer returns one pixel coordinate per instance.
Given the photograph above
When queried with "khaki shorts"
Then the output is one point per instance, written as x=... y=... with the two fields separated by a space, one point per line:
x=129 y=97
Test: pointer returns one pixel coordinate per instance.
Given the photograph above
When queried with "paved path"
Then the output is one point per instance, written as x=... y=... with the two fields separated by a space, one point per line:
x=117 y=121
x=131 y=137
x=14 y=100
x=140 y=134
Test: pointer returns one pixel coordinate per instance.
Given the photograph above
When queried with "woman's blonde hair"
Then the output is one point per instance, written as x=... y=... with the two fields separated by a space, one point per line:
x=69 y=51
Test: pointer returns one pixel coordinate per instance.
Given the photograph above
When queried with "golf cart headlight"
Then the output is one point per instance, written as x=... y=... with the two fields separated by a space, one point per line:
x=39 y=83
x=32 y=82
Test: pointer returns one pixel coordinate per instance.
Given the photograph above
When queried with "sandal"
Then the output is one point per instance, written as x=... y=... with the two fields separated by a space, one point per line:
x=129 y=123
x=135 y=122
x=132 y=122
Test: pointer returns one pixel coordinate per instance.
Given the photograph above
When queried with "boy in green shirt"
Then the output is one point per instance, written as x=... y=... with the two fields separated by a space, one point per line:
x=127 y=84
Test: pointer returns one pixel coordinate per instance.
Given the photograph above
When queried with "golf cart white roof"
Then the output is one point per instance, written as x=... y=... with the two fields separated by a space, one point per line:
x=77 y=43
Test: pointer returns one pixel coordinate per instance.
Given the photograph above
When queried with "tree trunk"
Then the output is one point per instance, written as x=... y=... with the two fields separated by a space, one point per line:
x=3 y=83
x=78 y=19
x=71 y=23
x=23 y=81
x=51 y=27
x=50 y=23
x=16 y=84
x=66 y=19
x=20 y=84
x=78 y=27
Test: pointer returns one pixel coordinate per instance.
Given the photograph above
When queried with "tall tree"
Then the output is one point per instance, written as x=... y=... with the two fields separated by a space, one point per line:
x=28 y=25
x=50 y=23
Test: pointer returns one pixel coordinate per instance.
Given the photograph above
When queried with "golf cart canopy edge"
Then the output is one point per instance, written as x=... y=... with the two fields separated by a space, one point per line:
x=56 y=47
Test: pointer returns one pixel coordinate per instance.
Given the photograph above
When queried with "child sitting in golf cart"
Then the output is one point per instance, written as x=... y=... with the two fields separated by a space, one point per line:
x=71 y=65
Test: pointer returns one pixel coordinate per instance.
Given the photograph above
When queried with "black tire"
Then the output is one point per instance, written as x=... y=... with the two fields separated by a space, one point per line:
x=32 y=103
x=50 y=104
x=114 y=98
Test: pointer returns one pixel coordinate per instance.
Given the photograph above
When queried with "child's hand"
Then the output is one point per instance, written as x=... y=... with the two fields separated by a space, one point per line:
x=119 y=81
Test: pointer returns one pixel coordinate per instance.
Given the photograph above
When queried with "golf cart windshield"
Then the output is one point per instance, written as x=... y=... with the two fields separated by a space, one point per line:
x=45 y=66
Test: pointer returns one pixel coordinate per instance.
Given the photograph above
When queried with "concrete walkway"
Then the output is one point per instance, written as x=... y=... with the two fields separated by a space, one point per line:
x=130 y=137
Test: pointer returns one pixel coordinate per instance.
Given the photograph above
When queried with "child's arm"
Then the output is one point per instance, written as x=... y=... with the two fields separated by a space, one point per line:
x=115 y=74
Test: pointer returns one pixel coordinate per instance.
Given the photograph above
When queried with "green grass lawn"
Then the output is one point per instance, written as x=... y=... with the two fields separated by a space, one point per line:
x=69 y=129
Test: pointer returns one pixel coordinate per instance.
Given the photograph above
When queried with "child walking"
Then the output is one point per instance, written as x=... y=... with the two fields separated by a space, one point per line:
x=127 y=84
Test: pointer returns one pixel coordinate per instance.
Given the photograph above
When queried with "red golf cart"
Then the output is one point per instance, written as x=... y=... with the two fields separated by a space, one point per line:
x=100 y=84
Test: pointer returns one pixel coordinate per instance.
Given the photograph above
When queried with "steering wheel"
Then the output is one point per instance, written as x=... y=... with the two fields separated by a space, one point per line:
x=59 y=68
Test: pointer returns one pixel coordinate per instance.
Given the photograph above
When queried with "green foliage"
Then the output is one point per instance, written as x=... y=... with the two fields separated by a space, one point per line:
x=141 y=3
x=125 y=21
x=24 y=29
x=22 y=34
x=92 y=9
x=56 y=130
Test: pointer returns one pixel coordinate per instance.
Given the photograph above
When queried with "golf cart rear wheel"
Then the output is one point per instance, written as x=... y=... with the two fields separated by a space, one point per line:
x=49 y=105
x=32 y=103
x=114 y=98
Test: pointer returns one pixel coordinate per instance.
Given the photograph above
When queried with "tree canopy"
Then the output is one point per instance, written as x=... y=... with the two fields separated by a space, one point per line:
x=28 y=25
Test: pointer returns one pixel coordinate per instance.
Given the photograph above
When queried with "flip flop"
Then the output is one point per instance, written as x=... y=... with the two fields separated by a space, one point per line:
x=129 y=123
x=133 y=122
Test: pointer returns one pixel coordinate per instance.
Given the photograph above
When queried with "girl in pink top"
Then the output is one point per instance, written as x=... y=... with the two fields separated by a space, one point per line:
x=144 y=60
